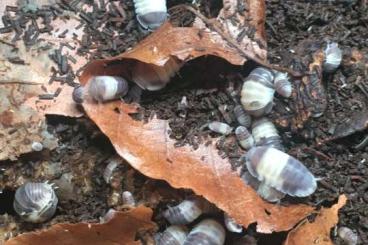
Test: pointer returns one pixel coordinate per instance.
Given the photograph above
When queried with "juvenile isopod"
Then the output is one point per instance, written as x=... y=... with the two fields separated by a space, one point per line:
x=37 y=146
x=257 y=92
x=242 y=117
x=185 y=212
x=219 y=127
x=231 y=225
x=128 y=199
x=265 y=134
x=282 y=84
x=333 y=57
x=173 y=235
x=112 y=164
x=208 y=231
x=150 y=14
x=281 y=171
x=347 y=235
x=35 y=202
x=105 y=88
x=244 y=137
x=152 y=77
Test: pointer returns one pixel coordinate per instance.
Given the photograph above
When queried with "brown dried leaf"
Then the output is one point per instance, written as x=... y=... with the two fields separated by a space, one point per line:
x=148 y=148
x=121 y=229
x=317 y=232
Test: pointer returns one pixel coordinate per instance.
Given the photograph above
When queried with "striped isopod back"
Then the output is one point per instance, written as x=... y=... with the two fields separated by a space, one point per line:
x=184 y=213
x=282 y=84
x=281 y=171
x=151 y=14
x=347 y=235
x=242 y=117
x=219 y=127
x=35 y=202
x=257 y=92
x=266 y=134
x=105 y=88
x=206 y=232
x=173 y=235
x=244 y=137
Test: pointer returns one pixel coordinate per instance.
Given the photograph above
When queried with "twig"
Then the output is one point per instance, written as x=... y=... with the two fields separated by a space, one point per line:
x=214 y=25
x=7 y=43
x=19 y=82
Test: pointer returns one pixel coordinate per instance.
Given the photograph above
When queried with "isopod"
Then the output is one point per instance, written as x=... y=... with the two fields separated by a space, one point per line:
x=265 y=134
x=257 y=92
x=333 y=57
x=281 y=171
x=113 y=163
x=128 y=199
x=282 y=84
x=231 y=225
x=219 y=127
x=242 y=117
x=35 y=202
x=150 y=14
x=347 y=235
x=105 y=88
x=173 y=235
x=185 y=212
x=152 y=77
x=208 y=231
x=244 y=137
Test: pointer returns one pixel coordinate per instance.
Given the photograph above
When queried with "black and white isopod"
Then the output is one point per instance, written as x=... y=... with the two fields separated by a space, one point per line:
x=101 y=88
x=206 y=232
x=282 y=84
x=347 y=235
x=242 y=117
x=173 y=235
x=150 y=14
x=244 y=137
x=35 y=202
x=281 y=171
x=257 y=92
x=185 y=212
x=266 y=134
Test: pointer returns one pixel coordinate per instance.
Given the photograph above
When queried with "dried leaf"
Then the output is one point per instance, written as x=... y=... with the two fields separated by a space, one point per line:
x=317 y=232
x=121 y=229
x=148 y=148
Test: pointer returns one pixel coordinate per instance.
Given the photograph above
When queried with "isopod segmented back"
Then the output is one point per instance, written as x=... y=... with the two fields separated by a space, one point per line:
x=281 y=171
x=184 y=213
x=206 y=232
x=105 y=88
x=150 y=14
x=35 y=202
x=173 y=235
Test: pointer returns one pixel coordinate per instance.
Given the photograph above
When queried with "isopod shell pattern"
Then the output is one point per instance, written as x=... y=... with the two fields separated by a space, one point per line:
x=173 y=235
x=281 y=171
x=333 y=57
x=184 y=213
x=150 y=14
x=219 y=127
x=244 y=137
x=105 y=88
x=206 y=232
x=242 y=117
x=128 y=199
x=265 y=134
x=35 y=202
x=152 y=77
x=269 y=193
x=257 y=92
x=282 y=84
x=347 y=235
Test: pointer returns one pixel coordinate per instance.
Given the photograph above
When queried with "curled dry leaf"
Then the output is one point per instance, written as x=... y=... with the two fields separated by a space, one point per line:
x=122 y=228
x=148 y=148
x=317 y=232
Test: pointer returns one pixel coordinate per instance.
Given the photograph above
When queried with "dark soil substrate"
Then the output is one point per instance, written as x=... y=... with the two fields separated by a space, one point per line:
x=84 y=151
